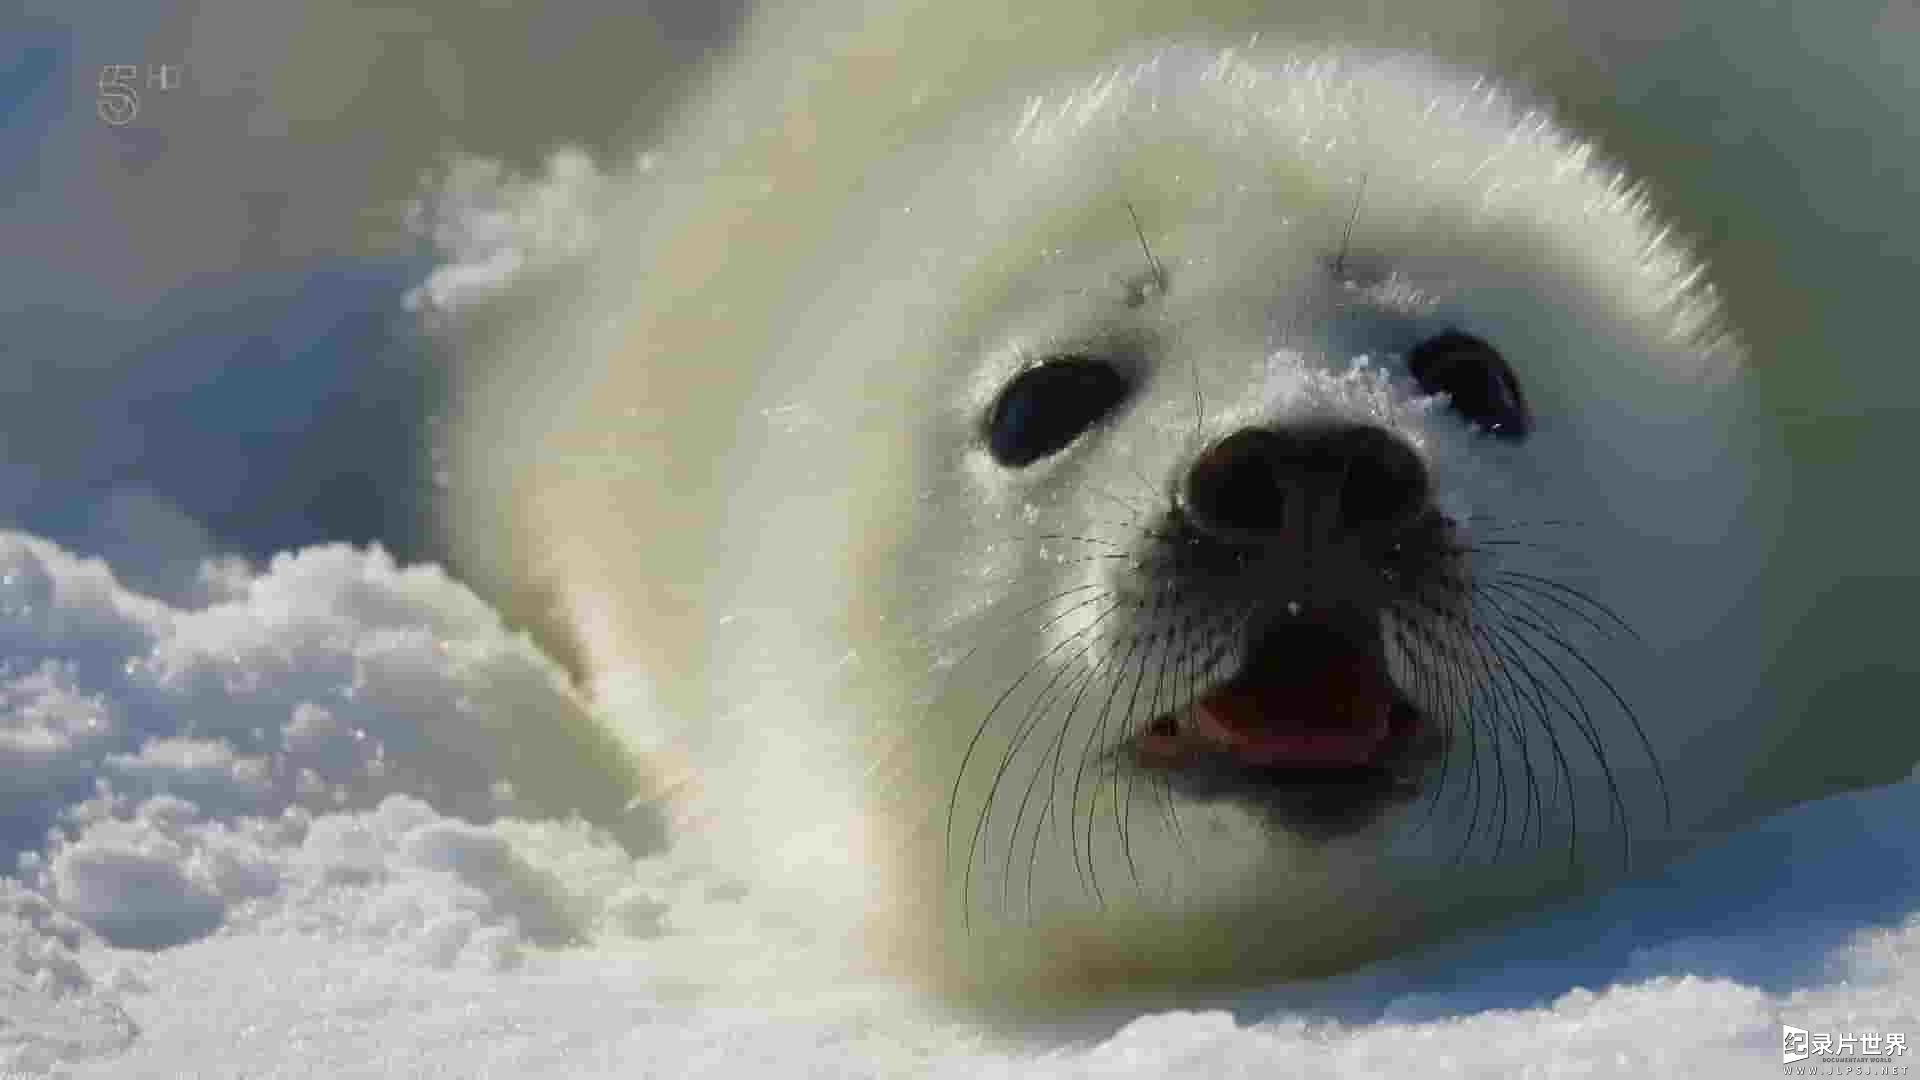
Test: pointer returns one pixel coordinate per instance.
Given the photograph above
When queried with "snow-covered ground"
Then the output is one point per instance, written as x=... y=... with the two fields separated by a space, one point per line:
x=227 y=865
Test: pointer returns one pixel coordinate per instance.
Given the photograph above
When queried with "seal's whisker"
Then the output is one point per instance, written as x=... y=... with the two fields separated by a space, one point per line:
x=1097 y=733
x=1553 y=637
x=1531 y=691
x=1120 y=781
x=1105 y=556
x=980 y=732
x=1549 y=702
x=1510 y=708
x=1504 y=704
x=1022 y=733
x=1035 y=712
x=1488 y=523
x=1503 y=701
x=1492 y=545
x=1108 y=493
x=1053 y=753
x=1160 y=701
x=1452 y=699
x=1004 y=626
x=1083 y=867
x=1083 y=862
x=1197 y=675
x=1101 y=541
x=1543 y=703
x=1425 y=687
x=1534 y=583
x=1588 y=726
x=1441 y=682
x=1140 y=525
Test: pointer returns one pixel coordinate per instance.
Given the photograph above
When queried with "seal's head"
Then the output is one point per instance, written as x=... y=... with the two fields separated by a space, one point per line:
x=1226 y=516
x=1262 y=472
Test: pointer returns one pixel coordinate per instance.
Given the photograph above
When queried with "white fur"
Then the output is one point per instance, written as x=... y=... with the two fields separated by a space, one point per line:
x=745 y=460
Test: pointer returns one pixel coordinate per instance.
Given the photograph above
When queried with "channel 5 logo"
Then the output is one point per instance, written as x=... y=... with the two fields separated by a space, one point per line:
x=119 y=86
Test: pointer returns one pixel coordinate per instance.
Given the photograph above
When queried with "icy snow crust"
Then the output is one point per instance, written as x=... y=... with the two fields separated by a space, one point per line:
x=269 y=837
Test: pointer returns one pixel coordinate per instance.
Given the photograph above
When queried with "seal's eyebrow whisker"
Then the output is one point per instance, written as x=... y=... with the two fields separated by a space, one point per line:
x=1156 y=272
x=1346 y=237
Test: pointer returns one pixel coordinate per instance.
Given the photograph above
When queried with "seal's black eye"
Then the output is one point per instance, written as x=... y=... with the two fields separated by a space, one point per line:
x=1475 y=378
x=1048 y=405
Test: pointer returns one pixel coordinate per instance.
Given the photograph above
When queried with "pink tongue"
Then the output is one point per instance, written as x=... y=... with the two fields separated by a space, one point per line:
x=1339 y=717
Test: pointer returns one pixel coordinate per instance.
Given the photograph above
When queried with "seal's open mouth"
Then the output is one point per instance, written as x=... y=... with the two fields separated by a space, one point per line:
x=1311 y=724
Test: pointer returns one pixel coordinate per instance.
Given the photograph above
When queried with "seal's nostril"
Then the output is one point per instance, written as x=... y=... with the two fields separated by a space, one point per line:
x=1236 y=484
x=1248 y=481
x=1381 y=479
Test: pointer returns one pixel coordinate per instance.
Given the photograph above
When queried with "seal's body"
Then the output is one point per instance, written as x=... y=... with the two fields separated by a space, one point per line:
x=1203 y=511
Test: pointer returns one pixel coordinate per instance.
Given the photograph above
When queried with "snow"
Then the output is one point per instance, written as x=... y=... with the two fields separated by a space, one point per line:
x=494 y=227
x=273 y=835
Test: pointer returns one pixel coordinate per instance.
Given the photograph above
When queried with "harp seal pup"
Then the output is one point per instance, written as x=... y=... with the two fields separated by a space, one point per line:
x=1210 y=515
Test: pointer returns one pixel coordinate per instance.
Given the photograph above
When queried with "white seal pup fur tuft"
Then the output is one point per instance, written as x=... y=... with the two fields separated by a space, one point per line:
x=919 y=641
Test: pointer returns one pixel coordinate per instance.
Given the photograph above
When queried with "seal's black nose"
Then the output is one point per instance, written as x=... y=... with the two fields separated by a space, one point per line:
x=1263 y=483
